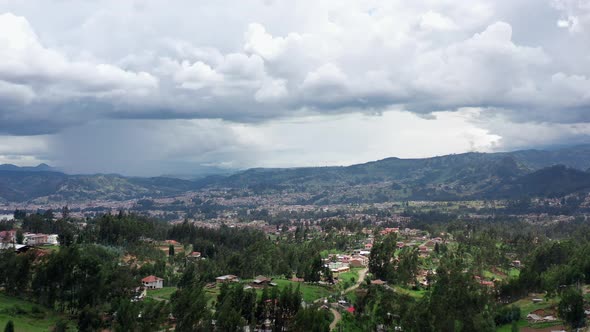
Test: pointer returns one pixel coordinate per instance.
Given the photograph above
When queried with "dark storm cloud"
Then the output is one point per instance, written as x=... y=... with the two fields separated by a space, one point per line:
x=66 y=65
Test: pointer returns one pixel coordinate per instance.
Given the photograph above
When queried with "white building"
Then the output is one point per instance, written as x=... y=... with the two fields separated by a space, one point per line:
x=152 y=282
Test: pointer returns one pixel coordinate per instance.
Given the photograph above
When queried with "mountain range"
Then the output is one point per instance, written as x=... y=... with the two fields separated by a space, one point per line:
x=473 y=175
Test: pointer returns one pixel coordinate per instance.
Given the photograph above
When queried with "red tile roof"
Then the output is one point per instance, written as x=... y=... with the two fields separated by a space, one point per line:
x=151 y=279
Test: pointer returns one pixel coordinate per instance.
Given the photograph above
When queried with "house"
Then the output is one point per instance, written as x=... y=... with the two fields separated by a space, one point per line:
x=261 y=281
x=152 y=282
x=377 y=282
x=338 y=267
x=8 y=236
x=355 y=262
x=389 y=231
x=227 y=278
x=516 y=263
x=368 y=246
x=53 y=239
x=32 y=239
x=194 y=255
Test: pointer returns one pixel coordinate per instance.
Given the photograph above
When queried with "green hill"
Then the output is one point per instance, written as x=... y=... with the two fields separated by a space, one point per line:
x=450 y=177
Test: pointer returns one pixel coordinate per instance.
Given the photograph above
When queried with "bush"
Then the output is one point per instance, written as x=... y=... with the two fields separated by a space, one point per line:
x=507 y=315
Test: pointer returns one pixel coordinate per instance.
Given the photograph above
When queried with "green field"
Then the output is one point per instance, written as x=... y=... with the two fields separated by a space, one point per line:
x=526 y=307
x=25 y=318
x=417 y=294
x=310 y=292
x=346 y=278
x=162 y=293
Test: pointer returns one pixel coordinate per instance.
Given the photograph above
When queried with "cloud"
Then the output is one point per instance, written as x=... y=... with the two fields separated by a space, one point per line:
x=148 y=147
x=24 y=60
x=575 y=14
x=69 y=69
x=436 y=21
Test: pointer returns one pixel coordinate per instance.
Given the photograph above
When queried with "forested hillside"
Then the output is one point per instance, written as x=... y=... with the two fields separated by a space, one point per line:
x=461 y=176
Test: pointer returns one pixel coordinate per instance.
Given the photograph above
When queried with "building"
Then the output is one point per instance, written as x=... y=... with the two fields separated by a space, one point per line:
x=338 y=267
x=152 y=282
x=53 y=239
x=227 y=278
x=261 y=281
x=8 y=236
x=32 y=239
x=355 y=262
x=377 y=282
x=194 y=255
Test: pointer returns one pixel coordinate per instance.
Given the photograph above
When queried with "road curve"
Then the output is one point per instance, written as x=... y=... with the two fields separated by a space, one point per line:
x=337 y=315
x=337 y=319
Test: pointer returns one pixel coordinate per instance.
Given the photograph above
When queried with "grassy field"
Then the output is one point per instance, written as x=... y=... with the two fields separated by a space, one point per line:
x=417 y=294
x=310 y=292
x=346 y=278
x=211 y=294
x=163 y=293
x=508 y=327
x=526 y=307
x=25 y=318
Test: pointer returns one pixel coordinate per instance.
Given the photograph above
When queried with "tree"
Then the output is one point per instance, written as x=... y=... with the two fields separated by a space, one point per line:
x=9 y=327
x=20 y=214
x=571 y=307
x=19 y=236
x=189 y=306
x=65 y=212
x=311 y=320
x=89 y=319
x=66 y=237
x=171 y=250
x=60 y=326
x=314 y=269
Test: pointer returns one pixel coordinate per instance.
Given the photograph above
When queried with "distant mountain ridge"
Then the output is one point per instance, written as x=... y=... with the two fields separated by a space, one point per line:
x=39 y=168
x=458 y=176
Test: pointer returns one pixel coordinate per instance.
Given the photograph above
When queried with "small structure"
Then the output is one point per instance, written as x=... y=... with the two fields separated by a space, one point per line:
x=227 y=278
x=389 y=230
x=53 y=239
x=356 y=263
x=261 y=281
x=487 y=283
x=377 y=282
x=152 y=282
x=33 y=239
x=8 y=236
x=337 y=267
x=18 y=248
x=195 y=255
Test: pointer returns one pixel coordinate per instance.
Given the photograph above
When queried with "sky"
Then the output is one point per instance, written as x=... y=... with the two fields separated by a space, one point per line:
x=151 y=87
